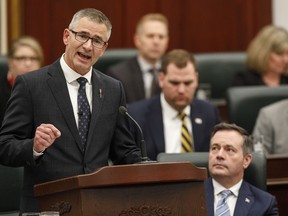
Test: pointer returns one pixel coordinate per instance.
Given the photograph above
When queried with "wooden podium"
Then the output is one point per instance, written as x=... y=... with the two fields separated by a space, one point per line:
x=139 y=189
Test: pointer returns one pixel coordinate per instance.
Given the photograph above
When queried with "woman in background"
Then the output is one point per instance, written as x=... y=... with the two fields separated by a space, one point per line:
x=25 y=55
x=267 y=59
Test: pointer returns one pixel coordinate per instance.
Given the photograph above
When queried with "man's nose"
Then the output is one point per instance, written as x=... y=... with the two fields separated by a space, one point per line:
x=220 y=153
x=181 y=87
x=88 y=43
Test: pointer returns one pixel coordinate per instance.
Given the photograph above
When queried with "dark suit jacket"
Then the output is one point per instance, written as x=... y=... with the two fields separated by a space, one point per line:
x=148 y=113
x=251 y=201
x=130 y=74
x=5 y=92
x=42 y=97
x=253 y=78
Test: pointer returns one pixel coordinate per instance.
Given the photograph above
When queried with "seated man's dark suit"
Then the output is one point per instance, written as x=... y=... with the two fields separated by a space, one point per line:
x=148 y=114
x=130 y=74
x=251 y=201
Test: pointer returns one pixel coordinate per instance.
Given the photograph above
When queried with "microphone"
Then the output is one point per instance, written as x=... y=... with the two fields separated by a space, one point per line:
x=80 y=113
x=123 y=110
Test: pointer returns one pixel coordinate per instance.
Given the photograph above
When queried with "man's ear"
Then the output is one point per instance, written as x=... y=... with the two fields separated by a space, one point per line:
x=136 y=41
x=247 y=160
x=160 y=79
x=66 y=36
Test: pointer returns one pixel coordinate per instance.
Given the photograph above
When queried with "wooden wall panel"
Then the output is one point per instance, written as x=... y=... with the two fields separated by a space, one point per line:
x=198 y=26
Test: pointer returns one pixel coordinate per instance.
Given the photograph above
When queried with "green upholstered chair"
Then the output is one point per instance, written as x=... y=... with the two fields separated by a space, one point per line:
x=244 y=103
x=113 y=56
x=255 y=174
x=217 y=70
x=11 y=180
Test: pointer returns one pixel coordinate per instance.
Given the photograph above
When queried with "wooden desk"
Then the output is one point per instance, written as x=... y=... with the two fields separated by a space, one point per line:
x=277 y=180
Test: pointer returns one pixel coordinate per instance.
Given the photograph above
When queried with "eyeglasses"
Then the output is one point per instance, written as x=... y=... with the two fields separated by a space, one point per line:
x=83 y=38
x=25 y=59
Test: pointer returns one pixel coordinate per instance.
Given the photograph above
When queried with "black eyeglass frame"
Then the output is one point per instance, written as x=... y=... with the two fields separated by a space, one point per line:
x=88 y=38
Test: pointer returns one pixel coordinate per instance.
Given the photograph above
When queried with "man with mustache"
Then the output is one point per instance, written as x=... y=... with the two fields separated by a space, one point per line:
x=226 y=191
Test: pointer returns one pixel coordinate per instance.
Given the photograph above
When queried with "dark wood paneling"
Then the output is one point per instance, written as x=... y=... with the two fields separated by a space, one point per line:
x=198 y=26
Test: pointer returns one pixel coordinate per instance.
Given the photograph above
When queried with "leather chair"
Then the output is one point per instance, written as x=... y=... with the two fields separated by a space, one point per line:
x=11 y=180
x=113 y=56
x=217 y=70
x=244 y=103
x=3 y=64
x=255 y=174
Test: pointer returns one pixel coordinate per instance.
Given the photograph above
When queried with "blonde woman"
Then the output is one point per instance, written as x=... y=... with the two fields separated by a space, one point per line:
x=267 y=59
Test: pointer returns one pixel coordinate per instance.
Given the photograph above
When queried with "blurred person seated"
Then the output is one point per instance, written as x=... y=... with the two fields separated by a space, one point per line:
x=267 y=59
x=173 y=119
x=270 y=131
x=226 y=191
x=139 y=74
x=25 y=55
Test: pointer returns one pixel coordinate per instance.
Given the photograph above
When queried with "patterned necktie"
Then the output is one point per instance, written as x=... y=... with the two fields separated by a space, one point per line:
x=83 y=111
x=186 y=139
x=222 y=208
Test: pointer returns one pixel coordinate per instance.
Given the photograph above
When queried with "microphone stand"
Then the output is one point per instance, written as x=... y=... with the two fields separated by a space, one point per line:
x=144 y=157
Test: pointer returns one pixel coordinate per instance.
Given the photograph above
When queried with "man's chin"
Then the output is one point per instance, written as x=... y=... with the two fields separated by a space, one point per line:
x=181 y=104
x=82 y=69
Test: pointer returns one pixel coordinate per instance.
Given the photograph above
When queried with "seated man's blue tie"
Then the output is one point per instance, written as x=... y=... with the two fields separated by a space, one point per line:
x=222 y=208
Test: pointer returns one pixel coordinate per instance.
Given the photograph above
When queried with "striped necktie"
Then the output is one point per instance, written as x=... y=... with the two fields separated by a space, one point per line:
x=83 y=111
x=186 y=138
x=222 y=208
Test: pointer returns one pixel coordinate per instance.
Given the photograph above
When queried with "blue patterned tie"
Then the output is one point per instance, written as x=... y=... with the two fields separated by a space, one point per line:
x=222 y=208
x=83 y=111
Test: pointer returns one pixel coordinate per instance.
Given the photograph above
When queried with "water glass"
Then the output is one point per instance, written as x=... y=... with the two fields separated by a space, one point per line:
x=49 y=213
x=31 y=214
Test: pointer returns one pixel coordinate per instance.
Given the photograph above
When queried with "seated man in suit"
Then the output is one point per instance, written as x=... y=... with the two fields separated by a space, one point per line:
x=226 y=191
x=164 y=130
x=139 y=74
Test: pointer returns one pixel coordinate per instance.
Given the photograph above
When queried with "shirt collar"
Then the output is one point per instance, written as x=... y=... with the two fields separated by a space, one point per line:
x=145 y=66
x=218 y=188
x=71 y=75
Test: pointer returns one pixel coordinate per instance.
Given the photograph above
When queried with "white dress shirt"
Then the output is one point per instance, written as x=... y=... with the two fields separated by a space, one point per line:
x=71 y=79
x=172 y=126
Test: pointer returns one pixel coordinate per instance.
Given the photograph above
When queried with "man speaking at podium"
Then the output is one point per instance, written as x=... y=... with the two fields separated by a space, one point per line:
x=63 y=119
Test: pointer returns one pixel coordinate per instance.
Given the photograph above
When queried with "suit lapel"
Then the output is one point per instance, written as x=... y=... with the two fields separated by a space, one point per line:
x=58 y=87
x=209 y=192
x=98 y=94
x=137 y=78
x=155 y=120
x=245 y=200
x=197 y=126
